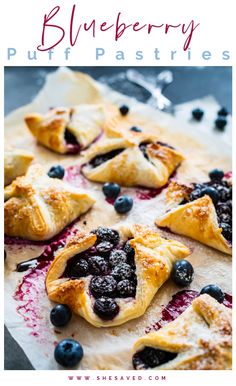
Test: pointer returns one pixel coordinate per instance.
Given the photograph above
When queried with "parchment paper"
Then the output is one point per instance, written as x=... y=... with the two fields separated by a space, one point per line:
x=27 y=318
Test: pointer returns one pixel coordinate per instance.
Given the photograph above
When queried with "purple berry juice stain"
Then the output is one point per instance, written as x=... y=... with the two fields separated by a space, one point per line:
x=31 y=289
x=177 y=305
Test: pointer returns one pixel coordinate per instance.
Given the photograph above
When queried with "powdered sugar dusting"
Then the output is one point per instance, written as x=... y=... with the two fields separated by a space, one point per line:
x=178 y=304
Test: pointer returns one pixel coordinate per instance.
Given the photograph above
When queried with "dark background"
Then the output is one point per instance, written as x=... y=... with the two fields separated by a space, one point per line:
x=23 y=83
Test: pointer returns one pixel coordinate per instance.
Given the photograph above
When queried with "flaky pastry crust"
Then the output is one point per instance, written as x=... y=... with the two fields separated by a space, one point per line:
x=84 y=122
x=38 y=207
x=196 y=219
x=16 y=163
x=130 y=167
x=201 y=337
x=154 y=257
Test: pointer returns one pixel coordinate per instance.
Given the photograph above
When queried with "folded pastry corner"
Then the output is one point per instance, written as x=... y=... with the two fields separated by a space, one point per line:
x=132 y=162
x=199 y=339
x=110 y=276
x=67 y=130
x=128 y=124
x=118 y=125
x=16 y=163
x=38 y=207
x=194 y=213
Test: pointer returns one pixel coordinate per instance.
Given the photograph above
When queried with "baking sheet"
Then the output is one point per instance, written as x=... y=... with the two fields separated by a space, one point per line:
x=27 y=318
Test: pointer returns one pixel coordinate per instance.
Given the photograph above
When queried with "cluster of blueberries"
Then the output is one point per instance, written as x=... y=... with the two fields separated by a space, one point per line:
x=151 y=357
x=112 y=267
x=220 y=192
x=220 y=121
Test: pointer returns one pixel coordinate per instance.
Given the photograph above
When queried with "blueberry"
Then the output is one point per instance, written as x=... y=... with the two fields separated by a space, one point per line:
x=104 y=247
x=70 y=138
x=212 y=192
x=230 y=193
x=195 y=194
x=117 y=256
x=107 y=234
x=182 y=273
x=129 y=250
x=68 y=353
x=183 y=202
x=103 y=286
x=111 y=190
x=97 y=161
x=101 y=158
x=197 y=114
x=225 y=218
x=98 y=265
x=220 y=123
x=224 y=192
x=122 y=271
x=223 y=112
x=223 y=208
x=60 y=315
x=143 y=149
x=151 y=357
x=56 y=172
x=198 y=186
x=214 y=291
x=106 y=308
x=136 y=129
x=126 y=288
x=226 y=231
x=80 y=269
x=123 y=204
x=124 y=110
x=216 y=174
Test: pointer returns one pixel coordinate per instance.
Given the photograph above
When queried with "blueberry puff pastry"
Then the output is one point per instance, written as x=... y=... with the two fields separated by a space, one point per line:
x=139 y=162
x=38 y=207
x=111 y=276
x=67 y=130
x=199 y=339
x=16 y=163
x=202 y=212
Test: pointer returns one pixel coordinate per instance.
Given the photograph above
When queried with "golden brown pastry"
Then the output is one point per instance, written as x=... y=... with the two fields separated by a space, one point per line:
x=16 y=163
x=67 y=130
x=38 y=207
x=111 y=276
x=130 y=162
x=129 y=125
x=201 y=219
x=199 y=339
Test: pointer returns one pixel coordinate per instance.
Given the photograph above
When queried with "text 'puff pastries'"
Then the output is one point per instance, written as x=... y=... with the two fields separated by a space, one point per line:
x=202 y=212
x=16 y=163
x=141 y=162
x=67 y=130
x=199 y=339
x=110 y=276
x=38 y=207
